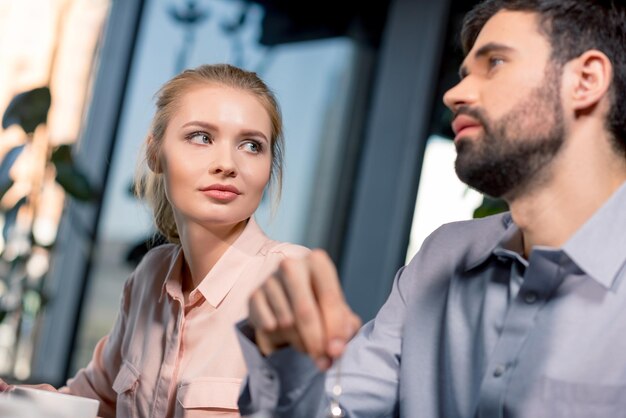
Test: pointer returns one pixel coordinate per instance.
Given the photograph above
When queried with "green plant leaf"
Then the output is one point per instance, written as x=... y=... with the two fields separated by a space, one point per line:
x=490 y=206
x=62 y=154
x=73 y=181
x=28 y=109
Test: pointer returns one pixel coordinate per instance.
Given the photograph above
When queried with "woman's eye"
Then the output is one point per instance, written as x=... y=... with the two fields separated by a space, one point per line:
x=250 y=146
x=199 y=138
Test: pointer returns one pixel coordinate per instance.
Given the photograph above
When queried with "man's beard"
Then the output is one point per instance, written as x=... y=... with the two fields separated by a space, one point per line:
x=515 y=150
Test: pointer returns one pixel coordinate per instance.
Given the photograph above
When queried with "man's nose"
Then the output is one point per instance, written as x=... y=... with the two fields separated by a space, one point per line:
x=462 y=94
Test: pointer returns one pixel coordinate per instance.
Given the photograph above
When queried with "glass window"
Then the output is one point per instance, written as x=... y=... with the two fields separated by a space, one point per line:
x=48 y=54
x=441 y=197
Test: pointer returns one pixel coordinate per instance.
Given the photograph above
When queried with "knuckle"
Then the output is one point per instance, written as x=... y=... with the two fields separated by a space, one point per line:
x=331 y=296
x=305 y=312
x=287 y=268
x=285 y=319
x=314 y=348
x=255 y=320
x=284 y=266
x=252 y=309
x=267 y=326
x=317 y=254
x=270 y=283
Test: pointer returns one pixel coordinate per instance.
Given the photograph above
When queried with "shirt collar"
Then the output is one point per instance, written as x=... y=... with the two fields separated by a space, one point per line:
x=512 y=245
x=598 y=246
x=485 y=245
x=218 y=282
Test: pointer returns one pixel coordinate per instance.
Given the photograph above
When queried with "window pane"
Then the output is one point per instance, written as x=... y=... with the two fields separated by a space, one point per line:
x=441 y=196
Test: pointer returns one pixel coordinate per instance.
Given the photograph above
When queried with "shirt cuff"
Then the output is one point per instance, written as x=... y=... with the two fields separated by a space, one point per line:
x=278 y=379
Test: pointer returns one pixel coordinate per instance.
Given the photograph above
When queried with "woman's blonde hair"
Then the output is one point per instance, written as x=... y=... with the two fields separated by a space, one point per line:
x=150 y=184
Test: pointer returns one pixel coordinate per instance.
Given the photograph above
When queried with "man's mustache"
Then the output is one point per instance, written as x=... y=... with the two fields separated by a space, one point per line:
x=473 y=112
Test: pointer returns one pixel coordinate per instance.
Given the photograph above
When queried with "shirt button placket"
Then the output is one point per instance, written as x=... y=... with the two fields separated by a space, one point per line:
x=499 y=370
x=169 y=360
x=530 y=297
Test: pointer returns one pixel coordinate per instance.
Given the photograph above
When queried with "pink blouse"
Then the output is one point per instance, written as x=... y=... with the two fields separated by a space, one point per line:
x=166 y=359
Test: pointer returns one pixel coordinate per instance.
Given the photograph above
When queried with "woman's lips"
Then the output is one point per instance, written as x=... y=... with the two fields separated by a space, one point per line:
x=223 y=193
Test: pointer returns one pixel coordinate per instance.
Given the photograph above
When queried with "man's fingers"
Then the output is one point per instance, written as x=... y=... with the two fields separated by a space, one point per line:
x=295 y=278
x=260 y=314
x=303 y=305
x=42 y=386
x=355 y=325
x=336 y=314
x=279 y=303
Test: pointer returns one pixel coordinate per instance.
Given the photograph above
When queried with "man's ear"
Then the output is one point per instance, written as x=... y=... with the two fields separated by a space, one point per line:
x=152 y=155
x=592 y=77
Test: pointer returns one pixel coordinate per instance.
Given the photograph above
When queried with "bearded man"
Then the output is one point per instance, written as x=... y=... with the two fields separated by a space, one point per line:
x=521 y=314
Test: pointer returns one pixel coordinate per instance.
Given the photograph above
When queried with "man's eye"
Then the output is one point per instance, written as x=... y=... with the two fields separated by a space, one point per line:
x=495 y=61
x=199 y=138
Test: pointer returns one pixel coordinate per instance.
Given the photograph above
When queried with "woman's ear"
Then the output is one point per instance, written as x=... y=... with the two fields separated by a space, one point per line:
x=152 y=155
x=593 y=74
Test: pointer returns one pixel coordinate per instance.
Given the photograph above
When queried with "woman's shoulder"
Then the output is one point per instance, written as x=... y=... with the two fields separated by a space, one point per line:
x=274 y=252
x=158 y=257
x=284 y=249
x=160 y=252
x=148 y=276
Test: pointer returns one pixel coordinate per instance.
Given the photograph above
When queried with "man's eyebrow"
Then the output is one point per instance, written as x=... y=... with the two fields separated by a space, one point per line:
x=485 y=50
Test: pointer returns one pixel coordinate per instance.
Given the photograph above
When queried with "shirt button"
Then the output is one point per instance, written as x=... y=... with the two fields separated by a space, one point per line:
x=499 y=370
x=530 y=297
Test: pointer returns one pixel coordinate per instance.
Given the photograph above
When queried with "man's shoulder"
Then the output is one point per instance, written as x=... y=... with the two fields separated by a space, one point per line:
x=468 y=240
x=489 y=226
x=451 y=248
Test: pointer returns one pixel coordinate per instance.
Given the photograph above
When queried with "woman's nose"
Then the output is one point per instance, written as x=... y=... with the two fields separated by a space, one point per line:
x=223 y=161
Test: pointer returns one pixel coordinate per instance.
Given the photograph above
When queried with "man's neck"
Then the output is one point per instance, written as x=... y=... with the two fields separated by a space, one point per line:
x=582 y=178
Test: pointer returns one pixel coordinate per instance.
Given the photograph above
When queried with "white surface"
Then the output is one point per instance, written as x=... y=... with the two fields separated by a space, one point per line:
x=11 y=407
x=43 y=403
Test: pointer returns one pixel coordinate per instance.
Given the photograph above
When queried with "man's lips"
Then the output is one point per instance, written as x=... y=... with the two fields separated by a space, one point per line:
x=462 y=123
x=222 y=192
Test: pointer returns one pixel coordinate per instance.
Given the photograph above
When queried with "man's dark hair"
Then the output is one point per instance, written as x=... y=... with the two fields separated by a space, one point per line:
x=572 y=27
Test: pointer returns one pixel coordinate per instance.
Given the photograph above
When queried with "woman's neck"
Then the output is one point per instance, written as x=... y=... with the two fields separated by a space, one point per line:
x=203 y=248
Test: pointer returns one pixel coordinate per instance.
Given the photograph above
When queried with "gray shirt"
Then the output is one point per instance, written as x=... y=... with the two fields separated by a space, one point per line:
x=472 y=329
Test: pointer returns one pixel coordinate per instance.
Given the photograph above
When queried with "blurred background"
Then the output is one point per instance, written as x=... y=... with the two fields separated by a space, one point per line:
x=369 y=157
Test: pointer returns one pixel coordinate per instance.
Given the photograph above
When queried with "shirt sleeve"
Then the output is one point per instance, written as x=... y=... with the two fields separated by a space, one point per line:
x=288 y=384
x=96 y=379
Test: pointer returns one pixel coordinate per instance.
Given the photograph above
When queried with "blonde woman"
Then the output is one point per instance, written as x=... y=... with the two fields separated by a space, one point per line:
x=214 y=146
